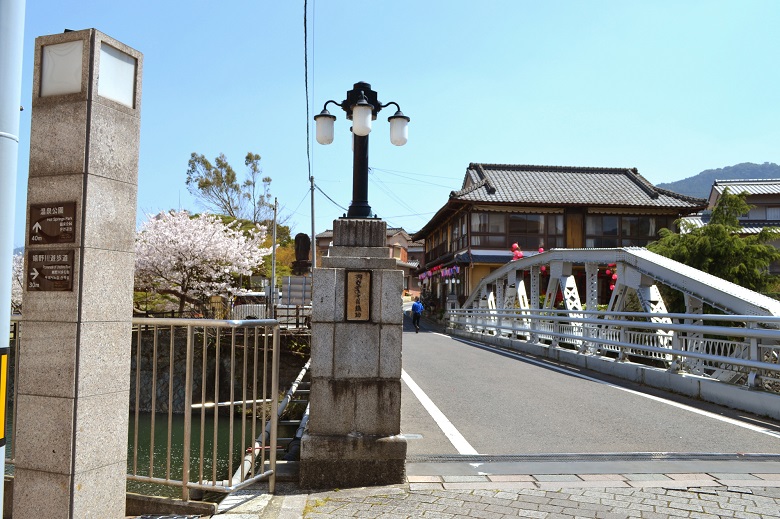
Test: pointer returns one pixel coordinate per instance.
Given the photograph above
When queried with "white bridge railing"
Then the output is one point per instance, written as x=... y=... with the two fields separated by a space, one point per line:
x=738 y=349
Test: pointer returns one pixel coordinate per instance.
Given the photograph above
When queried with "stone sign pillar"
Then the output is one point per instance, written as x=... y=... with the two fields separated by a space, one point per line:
x=353 y=437
x=74 y=361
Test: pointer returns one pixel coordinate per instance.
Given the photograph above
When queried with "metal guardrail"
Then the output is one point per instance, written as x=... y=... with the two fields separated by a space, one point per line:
x=249 y=459
x=293 y=316
x=732 y=348
x=227 y=376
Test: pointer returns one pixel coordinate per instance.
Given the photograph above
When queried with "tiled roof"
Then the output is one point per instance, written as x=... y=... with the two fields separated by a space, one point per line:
x=752 y=187
x=747 y=226
x=391 y=231
x=408 y=264
x=562 y=185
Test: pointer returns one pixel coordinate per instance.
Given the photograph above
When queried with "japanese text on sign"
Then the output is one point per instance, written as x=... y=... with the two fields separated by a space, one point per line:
x=52 y=223
x=358 y=295
x=50 y=271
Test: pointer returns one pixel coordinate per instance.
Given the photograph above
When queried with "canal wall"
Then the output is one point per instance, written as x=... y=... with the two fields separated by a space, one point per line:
x=216 y=361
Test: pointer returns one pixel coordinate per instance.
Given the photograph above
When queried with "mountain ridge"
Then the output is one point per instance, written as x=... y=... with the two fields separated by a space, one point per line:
x=701 y=184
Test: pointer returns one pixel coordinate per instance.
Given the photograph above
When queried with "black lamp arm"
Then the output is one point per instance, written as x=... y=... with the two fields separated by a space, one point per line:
x=388 y=104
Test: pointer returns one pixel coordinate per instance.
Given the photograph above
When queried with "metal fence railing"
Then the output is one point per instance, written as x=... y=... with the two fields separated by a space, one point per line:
x=201 y=392
x=739 y=349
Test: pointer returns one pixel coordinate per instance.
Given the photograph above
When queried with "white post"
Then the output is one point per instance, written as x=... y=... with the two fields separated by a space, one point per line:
x=11 y=48
x=274 y=298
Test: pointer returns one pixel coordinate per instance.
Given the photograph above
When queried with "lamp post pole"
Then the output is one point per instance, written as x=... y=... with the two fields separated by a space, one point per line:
x=359 y=207
x=361 y=106
x=356 y=335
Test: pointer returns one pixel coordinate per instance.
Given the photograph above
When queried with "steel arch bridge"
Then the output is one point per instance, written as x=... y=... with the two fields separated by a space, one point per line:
x=737 y=343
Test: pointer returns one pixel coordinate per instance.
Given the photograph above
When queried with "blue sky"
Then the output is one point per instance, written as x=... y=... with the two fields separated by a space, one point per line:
x=669 y=87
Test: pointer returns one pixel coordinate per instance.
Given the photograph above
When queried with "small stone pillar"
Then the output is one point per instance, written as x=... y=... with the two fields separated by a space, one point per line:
x=353 y=437
x=73 y=387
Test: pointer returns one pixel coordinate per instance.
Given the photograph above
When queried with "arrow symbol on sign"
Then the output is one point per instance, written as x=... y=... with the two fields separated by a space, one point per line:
x=37 y=227
x=34 y=273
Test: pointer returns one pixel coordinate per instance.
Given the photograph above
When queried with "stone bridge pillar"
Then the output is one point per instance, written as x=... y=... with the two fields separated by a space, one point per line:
x=355 y=416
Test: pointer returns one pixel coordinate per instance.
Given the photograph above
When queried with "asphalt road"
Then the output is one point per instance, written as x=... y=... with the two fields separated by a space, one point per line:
x=505 y=405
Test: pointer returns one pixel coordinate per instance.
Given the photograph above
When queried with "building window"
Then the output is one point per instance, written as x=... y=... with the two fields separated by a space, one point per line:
x=488 y=230
x=531 y=231
x=458 y=234
x=436 y=246
x=608 y=231
x=773 y=213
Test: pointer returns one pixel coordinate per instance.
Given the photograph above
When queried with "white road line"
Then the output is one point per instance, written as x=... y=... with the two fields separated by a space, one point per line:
x=449 y=430
x=684 y=407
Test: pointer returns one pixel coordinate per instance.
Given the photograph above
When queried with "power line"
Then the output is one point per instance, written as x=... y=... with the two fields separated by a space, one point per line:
x=389 y=192
x=295 y=211
x=412 y=173
x=329 y=198
x=413 y=215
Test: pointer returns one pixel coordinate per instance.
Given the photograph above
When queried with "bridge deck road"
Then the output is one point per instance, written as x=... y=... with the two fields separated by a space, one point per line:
x=505 y=404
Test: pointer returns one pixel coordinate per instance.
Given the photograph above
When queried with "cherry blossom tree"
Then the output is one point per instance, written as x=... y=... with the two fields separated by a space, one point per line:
x=17 y=283
x=191 y=258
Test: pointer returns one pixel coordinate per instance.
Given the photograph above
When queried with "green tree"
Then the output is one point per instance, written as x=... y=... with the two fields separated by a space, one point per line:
x=217 y=187
x=719 y=249
x=248 y=203
x=285 y=250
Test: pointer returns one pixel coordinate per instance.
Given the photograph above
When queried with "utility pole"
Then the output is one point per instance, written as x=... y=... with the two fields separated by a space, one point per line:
x=313 y=233
x=11 y=47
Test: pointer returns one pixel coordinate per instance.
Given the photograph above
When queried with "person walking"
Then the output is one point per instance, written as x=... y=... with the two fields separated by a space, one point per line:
x=417 y=309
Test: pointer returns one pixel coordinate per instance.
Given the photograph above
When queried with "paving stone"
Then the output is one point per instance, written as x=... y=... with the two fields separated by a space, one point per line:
x=464 y=479
x=768 y=477
x=423 y=479
x=671 y=512
x=490 y=499
x=733 y=476
x=615 y=515
x=647 y=477
x=696 y=476
x=556 y=477
x=686 y=506
x=698 y=515
x=578 y=512
x=601 y=477
x=425 y=486
x=510 y=477
x=579 y=484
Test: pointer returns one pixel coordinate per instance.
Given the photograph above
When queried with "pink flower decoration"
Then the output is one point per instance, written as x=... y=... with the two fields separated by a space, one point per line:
x=541 y=249
x=612 y=287
x=614 y=277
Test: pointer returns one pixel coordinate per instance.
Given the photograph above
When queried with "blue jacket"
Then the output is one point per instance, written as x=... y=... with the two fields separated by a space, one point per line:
x=417 y=307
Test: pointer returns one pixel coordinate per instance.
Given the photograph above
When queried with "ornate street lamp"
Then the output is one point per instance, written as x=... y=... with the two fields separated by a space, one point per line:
x=361 y=106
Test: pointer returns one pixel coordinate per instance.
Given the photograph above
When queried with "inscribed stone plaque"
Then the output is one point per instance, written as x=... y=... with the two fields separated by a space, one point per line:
x=50 y=270
x=358 y=295
x=52 y=223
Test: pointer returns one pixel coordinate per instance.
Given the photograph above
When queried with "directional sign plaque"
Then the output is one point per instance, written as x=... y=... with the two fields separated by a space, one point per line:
x=50 y=271
x=52 y=223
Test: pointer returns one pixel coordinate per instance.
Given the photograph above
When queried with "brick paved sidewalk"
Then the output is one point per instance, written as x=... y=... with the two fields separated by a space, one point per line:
x=426 y=500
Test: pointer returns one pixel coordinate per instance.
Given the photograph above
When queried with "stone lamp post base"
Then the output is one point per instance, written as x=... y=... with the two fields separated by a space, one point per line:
x=353 y=437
